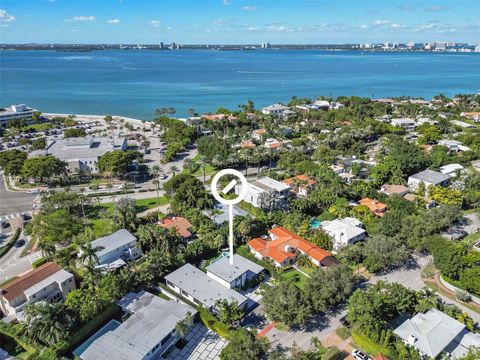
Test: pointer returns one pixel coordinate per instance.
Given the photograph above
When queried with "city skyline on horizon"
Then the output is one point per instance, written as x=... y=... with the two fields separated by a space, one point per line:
x=237 y=22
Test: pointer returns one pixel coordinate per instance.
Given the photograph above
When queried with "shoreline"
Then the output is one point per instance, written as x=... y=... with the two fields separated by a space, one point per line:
x=94 y=118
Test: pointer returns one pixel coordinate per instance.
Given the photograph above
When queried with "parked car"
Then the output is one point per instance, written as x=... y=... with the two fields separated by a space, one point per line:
x=5 y=224
x=33 y=191
x=26 y=217
x=358 y=355
x=163 y=177
x=455 y=234
x=20 y=243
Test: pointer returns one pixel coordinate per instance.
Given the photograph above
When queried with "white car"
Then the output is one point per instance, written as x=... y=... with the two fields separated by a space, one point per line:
x=33 y=191
x=358 y=355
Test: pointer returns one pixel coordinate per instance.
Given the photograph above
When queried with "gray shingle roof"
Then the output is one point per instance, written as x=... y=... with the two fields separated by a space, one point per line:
x=227 y=272
x=431 y=332
x=113 y=241
x=152 y=320
x=430 y=176
x=204 y=289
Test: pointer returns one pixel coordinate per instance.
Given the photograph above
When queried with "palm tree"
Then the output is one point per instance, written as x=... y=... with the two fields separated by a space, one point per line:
x=245 y=155
x=48 y=323
x=156 y=172
x=48 y=249
x=88 y=253
x=183 y=325
x=203 y=164
x=174 y=170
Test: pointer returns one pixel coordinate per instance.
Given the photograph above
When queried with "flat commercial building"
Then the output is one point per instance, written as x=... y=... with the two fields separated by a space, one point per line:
x=13 y=112
x=81 y=154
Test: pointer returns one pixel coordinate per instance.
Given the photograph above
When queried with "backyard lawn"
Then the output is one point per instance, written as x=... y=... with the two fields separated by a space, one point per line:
x=295 y=277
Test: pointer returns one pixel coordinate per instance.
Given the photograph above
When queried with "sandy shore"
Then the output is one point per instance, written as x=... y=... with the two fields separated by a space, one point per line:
x=93 y=118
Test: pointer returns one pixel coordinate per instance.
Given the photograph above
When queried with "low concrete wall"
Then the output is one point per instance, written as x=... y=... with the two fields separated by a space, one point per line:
x=454 y=289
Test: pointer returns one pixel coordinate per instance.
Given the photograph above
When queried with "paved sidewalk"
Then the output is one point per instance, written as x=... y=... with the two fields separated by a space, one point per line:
x=202 y=344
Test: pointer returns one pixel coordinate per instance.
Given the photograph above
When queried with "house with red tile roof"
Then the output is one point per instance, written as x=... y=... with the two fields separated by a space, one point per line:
x=213 y=117
x=47 y=282
x=181 y=225
x=248 y=144
x=300 y=184
x=376 y=207
x=257 y=134
x=283 y=246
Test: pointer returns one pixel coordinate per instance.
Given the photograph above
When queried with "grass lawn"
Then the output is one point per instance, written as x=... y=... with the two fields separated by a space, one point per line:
x=307 y=270
x=209 y=170
x=102 y=227
x=140 y=204
x=295 y=277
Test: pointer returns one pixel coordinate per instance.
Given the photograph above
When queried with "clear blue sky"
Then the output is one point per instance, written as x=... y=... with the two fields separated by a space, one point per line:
x=238 y=21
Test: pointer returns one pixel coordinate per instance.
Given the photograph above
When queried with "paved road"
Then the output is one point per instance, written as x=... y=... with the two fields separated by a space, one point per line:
x=12 y=264
x=13 y=202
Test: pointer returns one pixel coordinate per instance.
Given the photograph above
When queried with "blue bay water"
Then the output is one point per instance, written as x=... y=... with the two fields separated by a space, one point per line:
x=136 y=82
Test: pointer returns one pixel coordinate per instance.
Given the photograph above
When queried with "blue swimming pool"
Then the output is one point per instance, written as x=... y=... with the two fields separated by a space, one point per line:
x=110 y=326
x=315 y=223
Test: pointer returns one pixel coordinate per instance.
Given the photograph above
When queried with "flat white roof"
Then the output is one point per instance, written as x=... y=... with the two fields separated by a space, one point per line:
x=227 y=272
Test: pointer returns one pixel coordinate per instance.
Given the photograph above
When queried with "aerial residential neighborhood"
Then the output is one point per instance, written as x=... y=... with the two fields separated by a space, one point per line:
x=357 y=238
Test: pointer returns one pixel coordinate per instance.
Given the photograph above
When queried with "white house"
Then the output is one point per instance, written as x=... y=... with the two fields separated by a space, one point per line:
x=201 y=289
x=275 y=109
x=81 y=154
x=116 y=248
x=344 y=232
x=236 y=275
x=428 y=177
x=451 y=169
x=404 y=123
x=146 y=334
x=48 y=282
x=264 y=185
x=434 y=333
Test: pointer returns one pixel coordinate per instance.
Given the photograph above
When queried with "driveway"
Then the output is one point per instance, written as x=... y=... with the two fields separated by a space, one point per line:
x=202 y=344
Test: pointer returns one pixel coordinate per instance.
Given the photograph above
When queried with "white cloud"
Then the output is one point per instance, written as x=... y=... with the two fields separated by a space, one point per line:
x=113 y=21
x=82 y=18
x=51 y=1
x=363 y=26
x=249 y=8
x=435 y=8
x=221 y=22
x=279 y=28
x=4 y=16
x=74 y=30
x=381 y=22
x=227 y=2
x=154 y=23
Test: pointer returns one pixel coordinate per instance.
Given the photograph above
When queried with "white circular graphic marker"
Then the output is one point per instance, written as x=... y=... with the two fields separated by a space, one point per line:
x=230 y=202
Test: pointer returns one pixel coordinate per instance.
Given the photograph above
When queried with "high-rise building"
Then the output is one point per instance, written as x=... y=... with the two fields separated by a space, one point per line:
x=265 y=45
x=477 y=48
